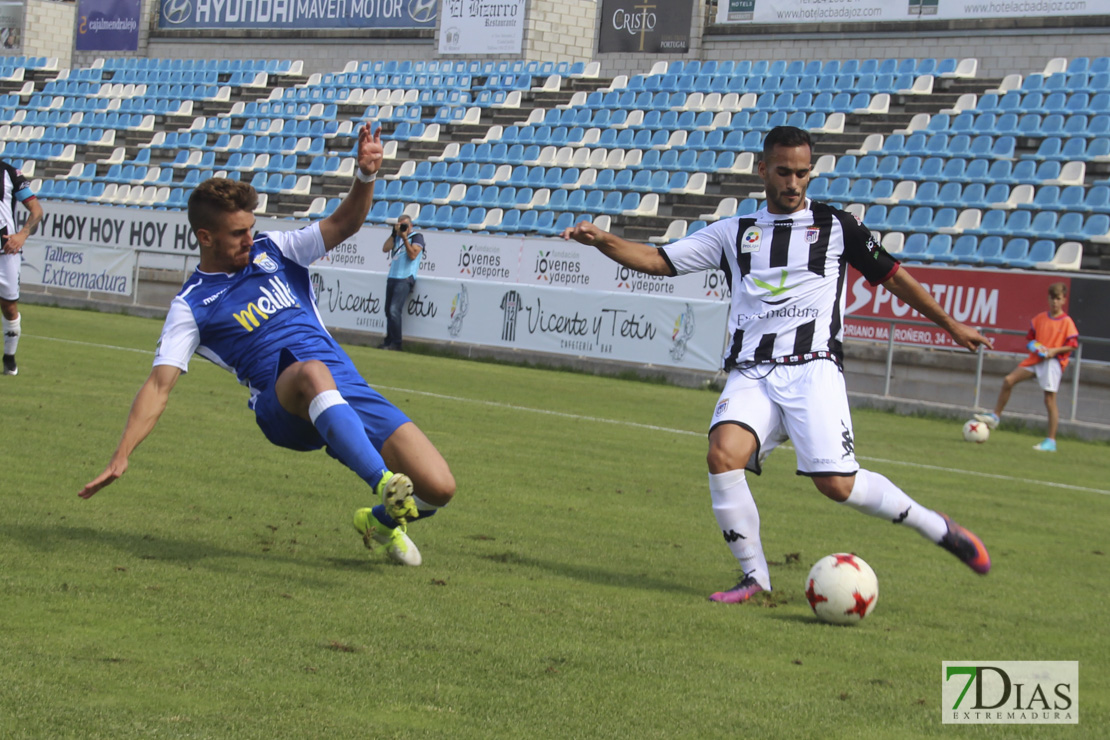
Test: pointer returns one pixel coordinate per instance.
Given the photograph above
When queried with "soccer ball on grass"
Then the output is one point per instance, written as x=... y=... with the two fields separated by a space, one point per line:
x=976 y=431
x=842 y=589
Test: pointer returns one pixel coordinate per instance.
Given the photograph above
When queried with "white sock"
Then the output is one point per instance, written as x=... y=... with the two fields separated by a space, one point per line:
x=874 y=494
x=738 y=518
x=11 y=334
x=422 y=505
x=324 y=401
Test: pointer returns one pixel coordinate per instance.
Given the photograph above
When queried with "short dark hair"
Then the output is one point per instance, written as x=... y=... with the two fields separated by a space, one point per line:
x=789 y=136
x=218 y=195
x=1058 y=290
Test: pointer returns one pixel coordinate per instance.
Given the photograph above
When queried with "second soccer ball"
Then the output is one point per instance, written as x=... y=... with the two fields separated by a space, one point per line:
x=976 y=431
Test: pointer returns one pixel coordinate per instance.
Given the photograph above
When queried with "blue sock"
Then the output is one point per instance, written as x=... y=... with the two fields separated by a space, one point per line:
x=342 y=430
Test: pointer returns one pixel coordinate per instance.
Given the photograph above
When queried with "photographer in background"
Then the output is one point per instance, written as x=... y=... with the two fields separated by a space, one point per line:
x=405 y=248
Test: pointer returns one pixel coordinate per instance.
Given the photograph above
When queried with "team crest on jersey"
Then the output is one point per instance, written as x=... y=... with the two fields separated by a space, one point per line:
x=812 y=235
x=752 y=237
x=266 y=263
x=721 y=408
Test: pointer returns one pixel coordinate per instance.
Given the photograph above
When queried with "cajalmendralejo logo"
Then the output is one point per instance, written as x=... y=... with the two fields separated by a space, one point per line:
x=1011 y=692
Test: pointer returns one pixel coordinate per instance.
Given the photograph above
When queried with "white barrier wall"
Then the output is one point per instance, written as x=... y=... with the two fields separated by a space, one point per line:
x=615 y=326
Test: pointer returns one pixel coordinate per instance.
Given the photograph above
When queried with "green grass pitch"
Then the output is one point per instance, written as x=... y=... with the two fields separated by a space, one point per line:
x=218 y=589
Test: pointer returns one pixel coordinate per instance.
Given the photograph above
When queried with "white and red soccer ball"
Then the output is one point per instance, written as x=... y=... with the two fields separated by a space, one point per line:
x=842 y=589
x=976 y=431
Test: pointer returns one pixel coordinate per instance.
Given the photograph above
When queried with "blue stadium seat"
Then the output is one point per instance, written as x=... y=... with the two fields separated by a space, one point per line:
x=882 y=189
x=1097 y=199
x=818 y=188
x=897 y=218
x=1071 y=199
x=964 y=251
x=1045 y=198
x=914 y=248
x=1097 y=225
x=990 y=250
x=1069 y=227
x=838 y=189
x=1043 y=224
x=944 y=218
x=954 y=169
x=992 y=223
x=921 y=219
x=1042 y=251
x=909 y=168
x=1049 y=148
x=926 y=195
x=1018 y=223
x=940 y=247
x=860 y=191
x=1014 y=253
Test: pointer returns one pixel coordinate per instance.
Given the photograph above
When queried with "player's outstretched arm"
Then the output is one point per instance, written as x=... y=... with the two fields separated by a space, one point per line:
x=640 y=257
x=350 y=214
x=146 y=409
x=905 y=287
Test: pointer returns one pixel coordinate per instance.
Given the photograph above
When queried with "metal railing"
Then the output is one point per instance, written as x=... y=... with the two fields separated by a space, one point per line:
x=1077 y=356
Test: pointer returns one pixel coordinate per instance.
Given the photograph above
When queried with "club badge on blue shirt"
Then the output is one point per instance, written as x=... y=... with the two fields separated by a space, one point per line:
x=265 y=262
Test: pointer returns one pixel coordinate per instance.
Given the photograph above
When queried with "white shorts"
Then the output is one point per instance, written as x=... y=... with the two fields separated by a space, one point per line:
x=1048 y=374
x=806 y=403
x=9 y=276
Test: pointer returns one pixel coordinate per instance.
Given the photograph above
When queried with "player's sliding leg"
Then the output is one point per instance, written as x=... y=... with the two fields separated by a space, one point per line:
x=408 y=449
x=432 y=487
x=875 y=495
x=342 y=430
x=308 y=390
x=394 y=539
x=738 y=518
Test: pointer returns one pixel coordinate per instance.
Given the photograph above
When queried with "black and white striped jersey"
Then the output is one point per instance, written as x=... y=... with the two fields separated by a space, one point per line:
x=787 y=274
x=13 y=188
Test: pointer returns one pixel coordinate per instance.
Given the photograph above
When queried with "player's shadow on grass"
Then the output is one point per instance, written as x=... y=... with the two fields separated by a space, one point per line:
x=62 y=536
x=600 y=576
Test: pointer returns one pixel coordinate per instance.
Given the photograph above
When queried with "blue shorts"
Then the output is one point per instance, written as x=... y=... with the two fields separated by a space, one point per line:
x=379 y=417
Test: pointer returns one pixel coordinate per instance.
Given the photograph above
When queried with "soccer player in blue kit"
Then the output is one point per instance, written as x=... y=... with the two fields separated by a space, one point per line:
x=249 y=308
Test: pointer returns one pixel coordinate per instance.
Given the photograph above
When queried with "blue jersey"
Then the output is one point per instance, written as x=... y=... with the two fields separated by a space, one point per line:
x=244 y=320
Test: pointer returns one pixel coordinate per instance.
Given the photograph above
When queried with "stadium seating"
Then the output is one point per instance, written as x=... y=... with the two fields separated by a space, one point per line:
x=1024 y=162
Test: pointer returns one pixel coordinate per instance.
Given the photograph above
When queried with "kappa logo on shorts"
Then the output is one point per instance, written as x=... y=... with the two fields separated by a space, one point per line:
x=752 y=237
x=266 y=263
x=721 y=407
x=847 y=441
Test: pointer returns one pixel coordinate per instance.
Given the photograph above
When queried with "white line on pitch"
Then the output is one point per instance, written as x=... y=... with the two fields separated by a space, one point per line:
x=565 y=415
x=637 y=425
x=548 y=412
x=93 y=344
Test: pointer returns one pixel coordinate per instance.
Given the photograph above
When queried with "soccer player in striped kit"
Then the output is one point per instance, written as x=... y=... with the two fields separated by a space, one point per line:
x=786 y=265
x=14 y=188
x=250 y=309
